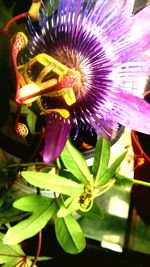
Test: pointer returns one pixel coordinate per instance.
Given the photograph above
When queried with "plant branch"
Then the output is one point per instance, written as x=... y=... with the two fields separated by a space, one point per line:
x=38 y=249
x=13 y=20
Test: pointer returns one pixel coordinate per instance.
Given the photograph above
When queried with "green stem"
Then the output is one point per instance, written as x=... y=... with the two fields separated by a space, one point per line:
x=134 y=181
x=120 y=178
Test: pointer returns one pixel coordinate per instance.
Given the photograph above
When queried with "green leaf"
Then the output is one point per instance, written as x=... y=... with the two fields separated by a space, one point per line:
x=101 y=159
x=17 y=262
x=13 y=262
x=76 y=163
x=6 y=15
x=7 y=212
x=7 y=251
x=31 y=121
x=121 y=180
x=69 y=206
x=111 y=171
x=53 y=182
x=11 y=255
x=42 y=209
x=69 y=234
x=10 y=215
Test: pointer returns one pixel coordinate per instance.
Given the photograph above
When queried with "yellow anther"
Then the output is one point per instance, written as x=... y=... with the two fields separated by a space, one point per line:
x=69 y=96
x=23 y=37
x=34 y=9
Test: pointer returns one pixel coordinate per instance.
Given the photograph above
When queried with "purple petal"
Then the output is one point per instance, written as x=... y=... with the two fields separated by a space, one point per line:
x=129 y=6
x=121 y=6
x=131 y=76
x=56 y=134
x=131 y=111
x=106 y=14
x=133 y=36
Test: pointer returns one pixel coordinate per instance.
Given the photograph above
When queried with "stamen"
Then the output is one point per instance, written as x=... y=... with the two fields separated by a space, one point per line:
x=69 y=96
x=34 y=9
x=64 y=85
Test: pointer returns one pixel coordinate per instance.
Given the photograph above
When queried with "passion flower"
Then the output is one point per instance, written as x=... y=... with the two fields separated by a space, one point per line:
x=88 y=60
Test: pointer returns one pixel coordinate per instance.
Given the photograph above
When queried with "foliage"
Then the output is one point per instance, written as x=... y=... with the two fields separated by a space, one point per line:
x=13 y=255
x=67 y=197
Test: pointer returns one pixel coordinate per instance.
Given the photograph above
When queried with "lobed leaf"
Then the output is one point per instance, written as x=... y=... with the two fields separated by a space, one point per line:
x=101 y=158
x=13 y=262
x=42 y=209
x=111 y=171
x=122 y=180
x=10 y=215
x=11 y=255
x=76 y=163
x=69 y=234
x=69 y=206
x=52 y=182
x=6 y=251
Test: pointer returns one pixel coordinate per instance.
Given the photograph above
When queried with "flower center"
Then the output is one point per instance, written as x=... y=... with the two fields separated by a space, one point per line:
x=75 y=60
